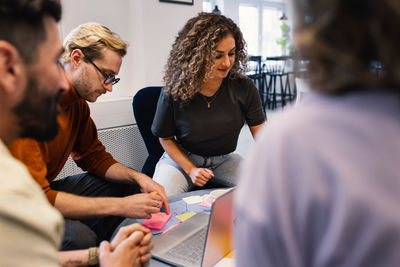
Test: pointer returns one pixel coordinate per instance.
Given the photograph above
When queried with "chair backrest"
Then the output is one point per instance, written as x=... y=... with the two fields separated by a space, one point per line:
x=144 y=108
x=254 y=65
x=276 y=65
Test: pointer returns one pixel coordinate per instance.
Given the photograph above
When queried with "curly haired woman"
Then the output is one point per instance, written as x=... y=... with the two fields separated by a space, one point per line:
x=204 y=105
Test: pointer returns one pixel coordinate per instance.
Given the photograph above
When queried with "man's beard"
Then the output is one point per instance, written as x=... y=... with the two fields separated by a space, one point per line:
x=38 y=112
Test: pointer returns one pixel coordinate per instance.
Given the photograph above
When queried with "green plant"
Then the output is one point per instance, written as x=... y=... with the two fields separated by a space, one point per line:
x=284 y=41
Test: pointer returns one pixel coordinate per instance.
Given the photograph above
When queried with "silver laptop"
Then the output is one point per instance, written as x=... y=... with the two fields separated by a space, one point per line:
x=202 y=240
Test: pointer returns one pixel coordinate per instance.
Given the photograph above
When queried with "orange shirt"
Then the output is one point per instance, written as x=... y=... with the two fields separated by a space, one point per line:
x=77 y=137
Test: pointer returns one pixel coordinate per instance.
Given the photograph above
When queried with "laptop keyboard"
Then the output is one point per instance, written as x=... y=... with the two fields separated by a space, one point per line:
x=191 y=249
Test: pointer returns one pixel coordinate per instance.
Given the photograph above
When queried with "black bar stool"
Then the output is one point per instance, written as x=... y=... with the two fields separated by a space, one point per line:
x=275 y=69
x=255 y=72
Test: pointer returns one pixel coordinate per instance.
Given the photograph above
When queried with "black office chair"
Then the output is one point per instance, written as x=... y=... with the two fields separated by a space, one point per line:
x=144 y=108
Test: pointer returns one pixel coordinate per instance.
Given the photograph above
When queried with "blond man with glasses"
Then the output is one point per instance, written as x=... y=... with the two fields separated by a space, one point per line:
x=95 y=202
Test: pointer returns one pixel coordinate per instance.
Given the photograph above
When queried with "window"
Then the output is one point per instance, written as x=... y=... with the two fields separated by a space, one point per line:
x=207 y=6
x=271 y=31
x=248 y=23
x=260 y=24
x=258 y=21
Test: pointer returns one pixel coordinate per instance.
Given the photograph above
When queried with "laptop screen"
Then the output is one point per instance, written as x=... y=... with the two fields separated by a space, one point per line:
x=177 y=246
x=220 y=230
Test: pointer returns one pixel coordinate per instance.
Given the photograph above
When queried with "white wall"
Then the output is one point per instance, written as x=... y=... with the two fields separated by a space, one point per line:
x=150 y=27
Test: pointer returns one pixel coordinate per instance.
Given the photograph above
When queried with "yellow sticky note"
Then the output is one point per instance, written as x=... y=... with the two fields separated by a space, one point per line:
x=185 y=216
x=230 y=255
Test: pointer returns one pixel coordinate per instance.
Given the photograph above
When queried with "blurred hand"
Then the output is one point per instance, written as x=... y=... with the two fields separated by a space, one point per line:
x=146 y=245
x=200 y=176
x=126 y=253
x=125 y=231
x=145 y=249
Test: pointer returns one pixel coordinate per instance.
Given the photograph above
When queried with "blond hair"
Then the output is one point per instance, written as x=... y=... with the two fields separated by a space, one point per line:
x=91 y=38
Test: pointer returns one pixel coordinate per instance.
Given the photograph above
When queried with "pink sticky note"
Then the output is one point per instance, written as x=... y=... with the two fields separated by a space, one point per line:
x=157 y=221
x=171 y=227
x=207 y=202
x=205 y=205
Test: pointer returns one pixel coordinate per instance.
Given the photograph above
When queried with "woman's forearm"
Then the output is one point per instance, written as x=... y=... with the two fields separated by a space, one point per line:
x=175 y=152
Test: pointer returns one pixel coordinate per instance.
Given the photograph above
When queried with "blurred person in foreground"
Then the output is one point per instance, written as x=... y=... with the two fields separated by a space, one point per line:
x=32 y=81
x=321 y=187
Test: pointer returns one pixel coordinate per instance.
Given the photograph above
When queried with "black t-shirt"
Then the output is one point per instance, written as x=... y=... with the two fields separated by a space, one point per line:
x=210 y=131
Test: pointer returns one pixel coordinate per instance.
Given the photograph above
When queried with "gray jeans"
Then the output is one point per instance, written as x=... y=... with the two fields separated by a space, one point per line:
x=170 y=175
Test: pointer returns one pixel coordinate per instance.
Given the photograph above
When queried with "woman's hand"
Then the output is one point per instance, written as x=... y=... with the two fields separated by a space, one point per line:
x=200 y=176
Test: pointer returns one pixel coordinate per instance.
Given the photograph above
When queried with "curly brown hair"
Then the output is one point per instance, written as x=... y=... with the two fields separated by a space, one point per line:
x=345 y=41
x=192 y=57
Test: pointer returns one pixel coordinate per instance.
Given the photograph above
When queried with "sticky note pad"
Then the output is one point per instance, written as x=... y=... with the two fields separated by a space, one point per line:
x=207 y=201
x=193 y=199
x=157 y=221
x=178 y=207
x=172 y=227
x=184 y=217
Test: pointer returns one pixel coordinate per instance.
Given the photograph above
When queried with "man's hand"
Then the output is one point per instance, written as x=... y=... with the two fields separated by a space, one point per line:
x=126 y=253
x=200 y=176
x=146 y=245
x=140 y=205
x=145 y=249
x=120 y=173
x=125 y=231
x=147 y=185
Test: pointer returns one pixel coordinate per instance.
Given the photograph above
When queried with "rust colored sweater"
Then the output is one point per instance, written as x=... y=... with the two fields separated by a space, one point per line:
x=77 y=137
